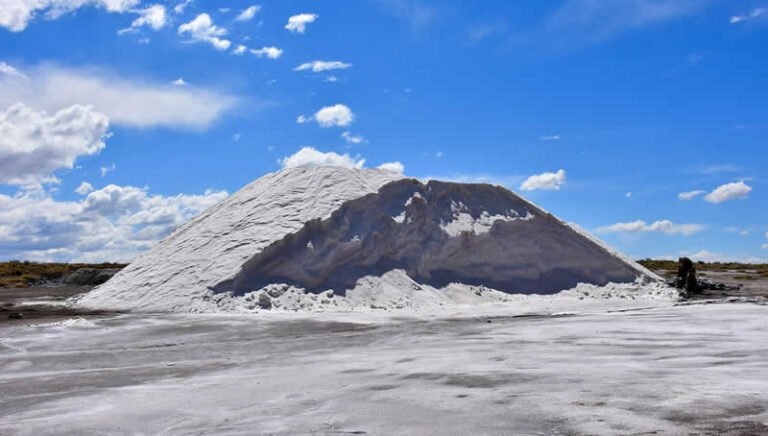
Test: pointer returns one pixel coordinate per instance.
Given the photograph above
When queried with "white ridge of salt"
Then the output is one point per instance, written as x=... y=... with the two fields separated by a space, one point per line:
x=464 y=222
x=175 y=276
x=396 y=291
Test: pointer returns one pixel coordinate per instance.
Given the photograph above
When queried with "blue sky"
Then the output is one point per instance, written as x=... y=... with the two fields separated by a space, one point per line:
x=123 y=118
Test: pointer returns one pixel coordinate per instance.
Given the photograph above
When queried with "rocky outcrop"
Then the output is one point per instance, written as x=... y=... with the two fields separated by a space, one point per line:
x=89 y=277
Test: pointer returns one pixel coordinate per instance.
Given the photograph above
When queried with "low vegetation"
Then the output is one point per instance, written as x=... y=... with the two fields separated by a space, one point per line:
x=21 y=274
x=18 y=274
x=670 y=266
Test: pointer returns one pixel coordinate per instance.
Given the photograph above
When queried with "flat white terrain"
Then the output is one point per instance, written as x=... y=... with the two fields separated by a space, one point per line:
x=652 y=368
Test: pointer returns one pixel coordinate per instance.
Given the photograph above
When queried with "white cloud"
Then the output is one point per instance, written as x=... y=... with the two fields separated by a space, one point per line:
x=179 y=8
x=298 y=23
x=15 y=15
x=319 y=66
x=310 y=157
x=84 y=188
x=729 y=191
x=269 y=52
x=544 y=181
x=180 y=82
x=127 y=102
x=396 y=167
x=337 y=115
x=10 y=71
x=352 y=139
x=114 y=223
x=755 y=13
x=302 y=119
x=765 y=246
x=107 y=169
x=331 y=79
x=690 y=195
x=153 y=17
x=663 y=226
x=248 y=13
x=202 y=29
x=628 y=195
x=240 y=49
x=33 y=145
x=550 y=138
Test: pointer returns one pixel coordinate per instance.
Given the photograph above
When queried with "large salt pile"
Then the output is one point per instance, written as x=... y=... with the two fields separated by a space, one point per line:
x=353 y=232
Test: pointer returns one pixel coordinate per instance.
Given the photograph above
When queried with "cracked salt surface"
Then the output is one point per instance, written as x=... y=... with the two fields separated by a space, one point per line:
x=498 y=369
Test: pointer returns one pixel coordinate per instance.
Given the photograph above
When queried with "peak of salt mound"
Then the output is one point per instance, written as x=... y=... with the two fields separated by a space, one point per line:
x=329 y=227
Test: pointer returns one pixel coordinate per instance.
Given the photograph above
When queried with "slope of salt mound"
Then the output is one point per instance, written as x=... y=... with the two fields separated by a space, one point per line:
x=175 y=276
x=438 y=233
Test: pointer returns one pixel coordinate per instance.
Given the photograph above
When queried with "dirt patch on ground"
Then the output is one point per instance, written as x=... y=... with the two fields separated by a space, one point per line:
x=47 y=303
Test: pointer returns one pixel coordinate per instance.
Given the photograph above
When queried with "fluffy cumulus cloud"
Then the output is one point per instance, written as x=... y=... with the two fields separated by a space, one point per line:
x=202 y=29
x=266 y=52
x=154 y=17
x=15 y=15
x=298 y=23
x=338 y=115
x=728 y=192
x=35 y=144
x=320 y=66
x=690 y=195
x=663 y=226
x=395 y=167
x=127 y=102
x=248 y=13
x=114 y=223
x=544 y=181
x=311 y=157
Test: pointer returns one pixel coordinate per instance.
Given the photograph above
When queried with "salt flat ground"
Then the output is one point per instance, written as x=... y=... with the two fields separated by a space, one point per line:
x=667 y=369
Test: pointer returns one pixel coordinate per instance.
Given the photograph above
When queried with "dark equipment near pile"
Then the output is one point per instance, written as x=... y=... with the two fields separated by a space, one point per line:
x=687 y=281
x=686 y=276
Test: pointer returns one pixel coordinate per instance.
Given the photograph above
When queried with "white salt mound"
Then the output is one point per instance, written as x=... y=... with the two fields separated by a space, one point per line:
x=175 y=275
x=364 y=239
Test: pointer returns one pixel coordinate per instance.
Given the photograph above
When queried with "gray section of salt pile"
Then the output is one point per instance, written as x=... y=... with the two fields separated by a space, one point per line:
x=434 y=233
